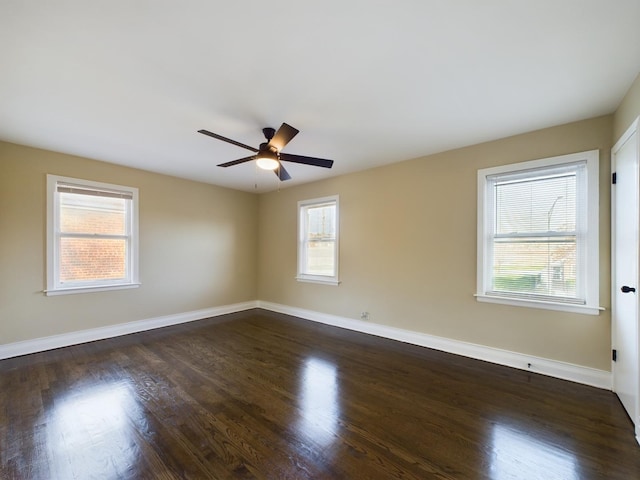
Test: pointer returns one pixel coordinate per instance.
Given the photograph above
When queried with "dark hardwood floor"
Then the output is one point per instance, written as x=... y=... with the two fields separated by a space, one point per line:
x=260 y=395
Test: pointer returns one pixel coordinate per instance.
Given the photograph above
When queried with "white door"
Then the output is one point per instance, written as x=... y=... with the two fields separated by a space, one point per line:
x=626 y=220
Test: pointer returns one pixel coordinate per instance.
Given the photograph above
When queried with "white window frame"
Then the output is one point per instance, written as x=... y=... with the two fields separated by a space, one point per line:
x=302 y=235
x=589 y=239
x=54 y=286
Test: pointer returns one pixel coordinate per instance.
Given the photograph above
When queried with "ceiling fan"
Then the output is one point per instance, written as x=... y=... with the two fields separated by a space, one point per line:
x=269 y=155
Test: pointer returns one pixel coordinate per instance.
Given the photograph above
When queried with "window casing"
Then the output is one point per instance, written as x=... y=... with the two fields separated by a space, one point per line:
x=538 y=233
x=92 y=236
x=318 y=239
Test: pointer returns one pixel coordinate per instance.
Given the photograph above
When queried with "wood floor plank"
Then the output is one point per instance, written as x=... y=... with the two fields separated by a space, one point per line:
x=259 y=395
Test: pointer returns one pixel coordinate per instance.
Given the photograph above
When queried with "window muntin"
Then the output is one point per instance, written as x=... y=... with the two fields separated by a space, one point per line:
x=92 y=236
x=538 y=233
x=318 y=240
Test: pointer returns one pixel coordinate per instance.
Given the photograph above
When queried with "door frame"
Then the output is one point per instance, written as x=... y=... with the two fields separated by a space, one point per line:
x=634 y=128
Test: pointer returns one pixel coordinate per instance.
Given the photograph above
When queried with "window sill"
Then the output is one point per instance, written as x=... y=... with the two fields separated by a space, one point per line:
x=96 y=288
x=317 y=279
x=563 y=307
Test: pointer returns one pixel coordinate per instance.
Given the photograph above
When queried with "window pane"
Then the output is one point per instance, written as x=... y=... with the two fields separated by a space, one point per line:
x=320 y=240
x=320 y=258
x=89 y=259
x=536 y=205
x=535 y=266
x=321 y=222
x=92 y=214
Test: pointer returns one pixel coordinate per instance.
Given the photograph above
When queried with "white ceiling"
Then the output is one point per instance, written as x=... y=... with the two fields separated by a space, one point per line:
x=366 y=82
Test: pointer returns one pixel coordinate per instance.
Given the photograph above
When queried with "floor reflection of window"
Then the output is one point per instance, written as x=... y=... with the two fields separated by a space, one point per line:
x=90 y=433
x=319 y=401
x=516 y=454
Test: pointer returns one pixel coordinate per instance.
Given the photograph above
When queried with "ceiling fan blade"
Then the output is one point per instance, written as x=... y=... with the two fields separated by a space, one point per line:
x=282 y=173
x=228 y=140
x=236 y=162
x=283 y=136
x=316 y=162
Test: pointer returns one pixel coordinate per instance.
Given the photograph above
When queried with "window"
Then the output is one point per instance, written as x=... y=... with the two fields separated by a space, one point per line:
x=538 y=233
x=92 y=238
x=318 y=240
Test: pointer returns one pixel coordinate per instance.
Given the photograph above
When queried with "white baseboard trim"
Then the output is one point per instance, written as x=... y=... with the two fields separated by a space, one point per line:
x=73 y=338
x=553 y=368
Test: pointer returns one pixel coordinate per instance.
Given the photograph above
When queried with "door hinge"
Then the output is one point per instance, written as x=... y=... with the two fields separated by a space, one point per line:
x=614 y=178
x=614 y=355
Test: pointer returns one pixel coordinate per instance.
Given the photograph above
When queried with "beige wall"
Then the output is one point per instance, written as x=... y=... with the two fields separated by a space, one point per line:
x=408 y=249
x=197 y=247
x=628 y=110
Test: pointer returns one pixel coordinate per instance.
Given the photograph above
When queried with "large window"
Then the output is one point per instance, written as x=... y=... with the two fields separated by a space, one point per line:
x=538 y=233
x=318 y=240
x=91 y=236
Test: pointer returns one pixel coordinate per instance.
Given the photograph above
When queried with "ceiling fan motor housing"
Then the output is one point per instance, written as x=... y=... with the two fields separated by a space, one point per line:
x=267 y=149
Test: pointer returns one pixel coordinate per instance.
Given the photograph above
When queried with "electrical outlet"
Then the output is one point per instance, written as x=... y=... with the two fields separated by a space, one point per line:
x=364 y=316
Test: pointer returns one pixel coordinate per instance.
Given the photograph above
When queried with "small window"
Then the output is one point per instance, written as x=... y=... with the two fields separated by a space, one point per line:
x=92 y=239
x=538 y=233
x=318 y=240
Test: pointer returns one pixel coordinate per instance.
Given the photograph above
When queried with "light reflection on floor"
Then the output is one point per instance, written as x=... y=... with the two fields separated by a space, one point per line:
x=319 y=401
x=90 y=431
x=517 y=454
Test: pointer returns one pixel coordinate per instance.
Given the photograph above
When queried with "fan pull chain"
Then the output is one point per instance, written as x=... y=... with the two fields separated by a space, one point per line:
x=255 y=175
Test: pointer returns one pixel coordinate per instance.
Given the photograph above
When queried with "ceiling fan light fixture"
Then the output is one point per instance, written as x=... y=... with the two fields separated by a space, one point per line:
x=267 y=160
x=266 y=163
